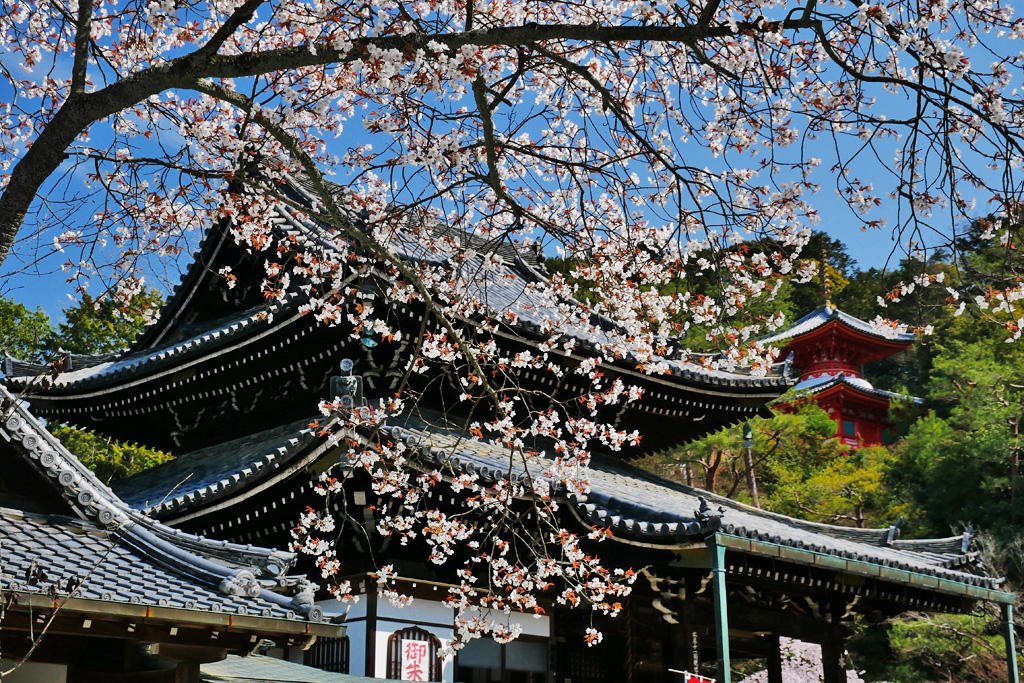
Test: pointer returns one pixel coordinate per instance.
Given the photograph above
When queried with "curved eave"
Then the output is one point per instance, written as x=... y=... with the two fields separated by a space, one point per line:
x=628 y=524
x=91 y=500
x=958 y=587
x=233 y=485
x=885 y=346
x=838 y=386
x=720 y=384
x=830 y=316
x=177 y=616
x=129 y=371
x=637 y=507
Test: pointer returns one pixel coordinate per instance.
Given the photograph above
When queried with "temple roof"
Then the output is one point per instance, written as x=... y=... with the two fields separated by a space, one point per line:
x=636 y=505
x=512 y=291
x=818 y=385
x=820 y=317
x=88 y=371
x=71 y=550
x=198 y=478
x=101 y=539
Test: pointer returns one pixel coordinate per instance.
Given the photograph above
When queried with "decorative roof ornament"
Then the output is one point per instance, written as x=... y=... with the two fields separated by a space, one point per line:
x=710 y=519
x=347 y=388
x=242 y=583
x=826 y=283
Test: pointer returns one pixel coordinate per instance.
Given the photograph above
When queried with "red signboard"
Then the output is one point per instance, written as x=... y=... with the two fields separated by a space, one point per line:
x=696 y=678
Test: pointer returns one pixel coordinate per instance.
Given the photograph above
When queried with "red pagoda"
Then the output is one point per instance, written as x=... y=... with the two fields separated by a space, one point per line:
x=830 y=349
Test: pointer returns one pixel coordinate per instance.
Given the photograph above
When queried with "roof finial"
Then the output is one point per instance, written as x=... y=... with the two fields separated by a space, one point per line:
x=826 y=283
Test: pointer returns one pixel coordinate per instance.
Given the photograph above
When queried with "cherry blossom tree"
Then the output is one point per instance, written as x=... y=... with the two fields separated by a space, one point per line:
x=642 y=142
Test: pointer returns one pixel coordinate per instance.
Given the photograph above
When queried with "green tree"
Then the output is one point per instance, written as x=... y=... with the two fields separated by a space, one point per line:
x=109 y=459
x=92 y=326
x=799 y=469
x=88 y=327
x=23 y=332
x=968 y=448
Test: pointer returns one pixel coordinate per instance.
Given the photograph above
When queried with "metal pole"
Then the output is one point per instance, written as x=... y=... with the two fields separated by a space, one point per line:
x=1013 y=676
x=748 y=443
x=721 y=612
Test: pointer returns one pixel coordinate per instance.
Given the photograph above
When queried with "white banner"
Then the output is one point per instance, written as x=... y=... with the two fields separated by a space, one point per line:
x=415 y=660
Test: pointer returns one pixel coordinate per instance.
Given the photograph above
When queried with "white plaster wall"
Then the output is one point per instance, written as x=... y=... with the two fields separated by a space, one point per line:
x=430 y=611
x=356 y=633
x=355 y=609
x=431 y=615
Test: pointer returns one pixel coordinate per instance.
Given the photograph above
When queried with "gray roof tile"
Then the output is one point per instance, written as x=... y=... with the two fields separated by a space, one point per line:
x=208 y=474
x=106 y=565
x=110 y=529
x=637 y=504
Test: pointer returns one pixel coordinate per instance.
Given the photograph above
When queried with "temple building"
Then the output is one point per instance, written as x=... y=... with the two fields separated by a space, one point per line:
x=230 y=384
x=94 y=591
x=830 y=348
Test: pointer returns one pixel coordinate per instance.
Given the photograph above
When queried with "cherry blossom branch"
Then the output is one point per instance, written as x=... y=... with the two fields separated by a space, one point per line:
x=80 y=110
x=339 y=220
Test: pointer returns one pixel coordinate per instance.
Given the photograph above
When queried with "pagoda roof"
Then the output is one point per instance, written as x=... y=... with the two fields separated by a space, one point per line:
x=828 y=315
x=638 y=506
x=123 y=556
x=512 y=287
x=814 y=386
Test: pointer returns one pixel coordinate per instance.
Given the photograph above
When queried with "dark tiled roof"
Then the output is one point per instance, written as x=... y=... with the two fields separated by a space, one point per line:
x=638 y=505
x=819 y=317
x=231 y=569
x=108 y=567
x=200 y=477
x=516 y=287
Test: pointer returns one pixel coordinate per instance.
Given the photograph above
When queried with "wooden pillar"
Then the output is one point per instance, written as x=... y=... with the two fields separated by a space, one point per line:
x=370 y=666
x=186 y=672
x=774 y=660
x=721 y=613
x=629 y=640
x=689 y=653
x=832 y=659
x=1013 y=675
